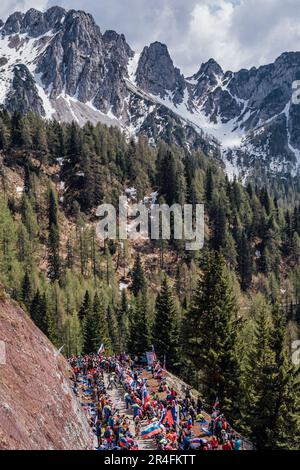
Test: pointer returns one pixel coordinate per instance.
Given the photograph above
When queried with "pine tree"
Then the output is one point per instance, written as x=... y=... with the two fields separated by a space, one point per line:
x=285 y=429
x=211 y=334
x=86 y=307
x=165 y=329
x=138 y=277
x=139 y=326
x=29 y=218
x=273 y=385
x=122 y=319
x=39 y=312
x=27 y=289
x=113 y=331
x=54 y=266
x=245 y=263
x=209 y=186
x=95 y=328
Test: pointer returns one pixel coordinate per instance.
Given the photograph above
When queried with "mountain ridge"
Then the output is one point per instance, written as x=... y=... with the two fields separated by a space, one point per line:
x=60 y=65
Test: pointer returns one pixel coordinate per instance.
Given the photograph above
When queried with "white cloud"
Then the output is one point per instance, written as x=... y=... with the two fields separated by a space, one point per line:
x=9 y=6
x=237 y=33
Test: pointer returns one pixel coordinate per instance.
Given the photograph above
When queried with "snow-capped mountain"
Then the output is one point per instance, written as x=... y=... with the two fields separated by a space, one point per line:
x=59 y=64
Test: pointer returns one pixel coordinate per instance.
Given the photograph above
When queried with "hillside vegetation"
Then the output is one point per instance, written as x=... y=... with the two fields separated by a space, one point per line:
x=224 y=317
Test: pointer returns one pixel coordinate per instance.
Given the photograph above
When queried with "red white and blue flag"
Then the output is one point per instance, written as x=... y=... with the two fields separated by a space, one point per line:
x=151 y=430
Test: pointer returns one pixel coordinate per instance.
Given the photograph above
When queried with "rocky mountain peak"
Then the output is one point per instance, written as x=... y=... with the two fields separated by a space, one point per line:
x=72 y=71
x=78 y=23
x=34 y=23
x=157 y=74
x=13 y=23
x=118 y=42
x=210 y=69
x=207 y=79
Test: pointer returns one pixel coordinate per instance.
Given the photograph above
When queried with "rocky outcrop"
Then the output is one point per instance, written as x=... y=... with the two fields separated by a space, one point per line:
x=23 y=96
x=156 y=73
x=38 y=409
x=33 y=22
x=82 y=63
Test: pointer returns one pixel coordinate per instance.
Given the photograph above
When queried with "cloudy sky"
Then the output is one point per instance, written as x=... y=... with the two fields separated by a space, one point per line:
x=237 y=33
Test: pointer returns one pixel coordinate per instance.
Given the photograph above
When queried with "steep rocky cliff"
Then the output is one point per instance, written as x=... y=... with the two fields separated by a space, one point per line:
x=38 y=409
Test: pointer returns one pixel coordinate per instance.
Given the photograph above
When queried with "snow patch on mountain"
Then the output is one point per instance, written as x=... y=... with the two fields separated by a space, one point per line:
x=132 y=67
x=296 y=152
x=47 y=105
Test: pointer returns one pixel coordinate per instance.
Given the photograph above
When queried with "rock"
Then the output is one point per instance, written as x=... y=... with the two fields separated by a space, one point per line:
x=23 y=96
x=83 y=71
x=38 y=409
x=156 y=73
x=13 y=23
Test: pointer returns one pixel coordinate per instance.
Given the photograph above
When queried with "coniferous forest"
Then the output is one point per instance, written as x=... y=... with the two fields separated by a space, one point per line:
x=224 y=318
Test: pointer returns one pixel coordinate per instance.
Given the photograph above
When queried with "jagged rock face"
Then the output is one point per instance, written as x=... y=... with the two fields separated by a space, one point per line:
x=33 y=22
x=206 y=78
x=82 y=63
x=23 y=96
x=38 y=409
x=113 y=91
x=13 y=23
x=72 y=61
x=156 y=73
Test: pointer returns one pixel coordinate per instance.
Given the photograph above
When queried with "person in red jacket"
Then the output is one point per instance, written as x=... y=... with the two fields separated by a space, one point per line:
x=227 y=445
x=214 y=443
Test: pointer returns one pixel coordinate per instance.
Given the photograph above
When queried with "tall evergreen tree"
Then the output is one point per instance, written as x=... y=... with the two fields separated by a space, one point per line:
x=211 y=334
x=139 y=326
x=39 y=312
x=165 y=329
x=27 y=289
x=122 y=319
x=95 y=328
x=138 y=277
x=86 y=307
x=54 y=266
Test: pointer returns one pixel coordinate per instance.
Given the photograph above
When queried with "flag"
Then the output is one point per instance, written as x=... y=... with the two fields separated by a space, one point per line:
x=145 y=395
x=101 y=349
x=59 y=350
x=123 y=442
x=151 y=358
x=151 y=430
x=168 y=418
x=217 y=403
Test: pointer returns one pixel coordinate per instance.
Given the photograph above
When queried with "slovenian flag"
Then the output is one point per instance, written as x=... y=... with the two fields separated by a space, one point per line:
x=101 y=349
x=151 y=430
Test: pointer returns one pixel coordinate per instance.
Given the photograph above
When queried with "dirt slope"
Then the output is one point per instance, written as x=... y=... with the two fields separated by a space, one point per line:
x=38 y=409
